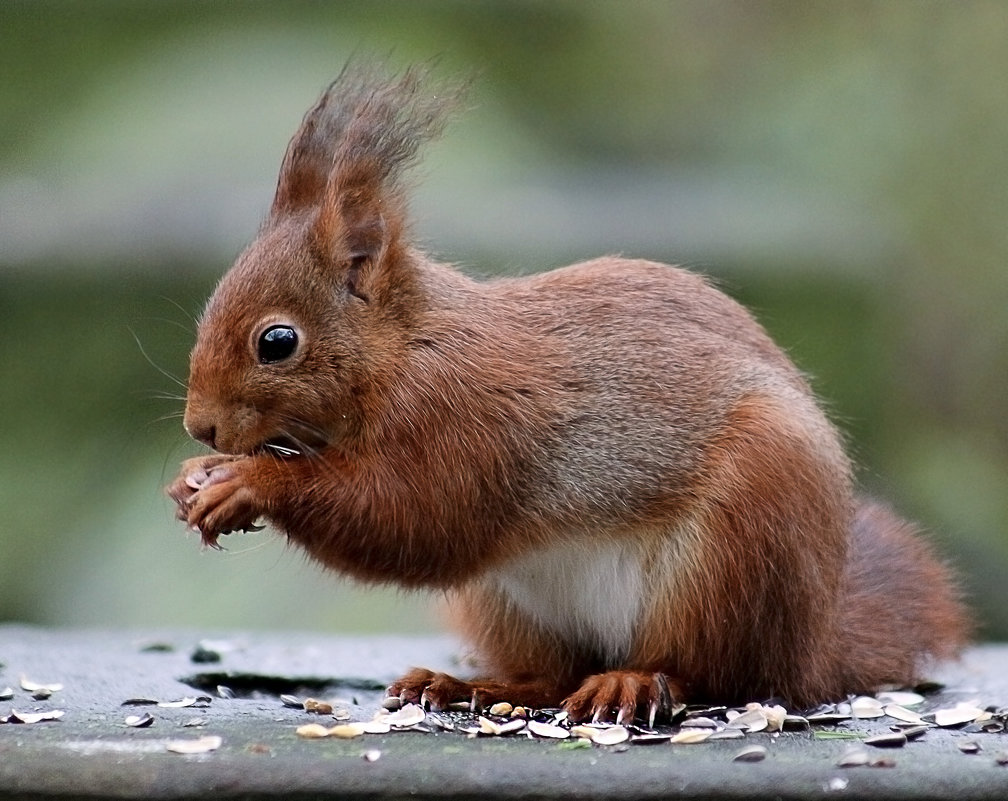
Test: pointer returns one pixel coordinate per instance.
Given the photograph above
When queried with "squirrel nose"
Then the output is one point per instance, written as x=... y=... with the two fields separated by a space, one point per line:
x=207 y=434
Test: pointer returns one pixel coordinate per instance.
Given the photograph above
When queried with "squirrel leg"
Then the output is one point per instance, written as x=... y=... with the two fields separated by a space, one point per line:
x=619 y=695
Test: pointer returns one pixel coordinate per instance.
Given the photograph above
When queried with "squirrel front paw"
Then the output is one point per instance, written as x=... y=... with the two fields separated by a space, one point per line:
x=213 y=496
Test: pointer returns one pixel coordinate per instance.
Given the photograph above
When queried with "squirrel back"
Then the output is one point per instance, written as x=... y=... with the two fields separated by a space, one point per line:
x=628 y=490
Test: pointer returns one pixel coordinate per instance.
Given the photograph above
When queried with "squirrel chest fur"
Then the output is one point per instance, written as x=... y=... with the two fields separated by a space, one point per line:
x=628 y=491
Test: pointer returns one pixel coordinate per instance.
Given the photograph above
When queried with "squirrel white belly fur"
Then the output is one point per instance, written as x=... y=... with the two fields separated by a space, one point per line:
x=628 y=492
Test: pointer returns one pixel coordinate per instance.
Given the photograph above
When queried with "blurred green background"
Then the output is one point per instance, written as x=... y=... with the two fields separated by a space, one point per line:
x=842 y=168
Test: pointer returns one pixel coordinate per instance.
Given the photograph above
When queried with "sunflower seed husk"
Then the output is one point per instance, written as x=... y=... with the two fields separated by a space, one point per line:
x=751 y=753
x=854 y=757
x=6 y=694
x=699 y=723
x=194 y=701
x=901 y=698
x=488 y=726
x=690 y=736
x=391 y=703
x=1001 y=758
x=375 y=727
x=611 y=736
x=957 y=715
x=548 y=730
x=903 y=714
x=651 y=739
x=406 y=716
x=42 y=694
x=775 y=717
x=201 y=746
x=30 y=686
x=913 y=732
x=866 y=707
x=34 y=717
x=194 y=723
x=889 y=740
x=439 y=722
x=139 y=702
x=140 y=721
x=795 y=722
x=726 y=734
x=371 y=756
x=970 y=747
x=752 y=720
x=882 y=762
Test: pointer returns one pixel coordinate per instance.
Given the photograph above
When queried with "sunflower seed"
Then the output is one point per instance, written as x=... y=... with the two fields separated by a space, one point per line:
x=548 y=730
x=292 y=701
x=391 y=703
x=200 y=701
x=140 y=721
x=913 y=732
x=139 y=702
x=201 y=746
x=347 y=731
x=970 y=747
x=371 y=756
x=316 y=707
x=751 y=753
x=312 y=731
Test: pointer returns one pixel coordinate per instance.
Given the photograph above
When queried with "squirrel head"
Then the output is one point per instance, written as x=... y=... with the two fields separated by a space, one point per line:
x=298 y=333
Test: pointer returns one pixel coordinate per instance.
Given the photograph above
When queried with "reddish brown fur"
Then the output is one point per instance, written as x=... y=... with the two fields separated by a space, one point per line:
x=619 y=425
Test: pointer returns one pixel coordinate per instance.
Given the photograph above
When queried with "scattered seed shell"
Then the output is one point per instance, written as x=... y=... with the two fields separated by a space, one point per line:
x=488 y=726
x=900 y=698
x=201 y=746
x=913 y=732
x=140 y=702
x=34 y=717
x=611 y=736
x=726 y=734
x=903 y=714
x=1001 y=758
x=854 y=757
x=200 y=701
x=752 y=720
x=225 y=692
x=548 y=730
x=30 y=686
x=866 y=707
x=751 y=753
x=957 y=715
x=699 y=723
x=371 y=756
x=970 y=747
x=889 y=740
x=140 y=721
x=391 y=703
x=6 y=694
x=689 y=736
x=403 y=718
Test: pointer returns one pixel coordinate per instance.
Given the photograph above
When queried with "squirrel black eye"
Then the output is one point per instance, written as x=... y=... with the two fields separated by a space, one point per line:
x=277 y=343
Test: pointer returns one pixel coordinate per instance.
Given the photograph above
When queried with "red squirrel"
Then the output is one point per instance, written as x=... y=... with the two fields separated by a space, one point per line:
x=625 y=488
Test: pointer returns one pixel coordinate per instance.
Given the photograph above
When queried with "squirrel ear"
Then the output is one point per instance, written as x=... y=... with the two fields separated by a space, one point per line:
x=307 y=162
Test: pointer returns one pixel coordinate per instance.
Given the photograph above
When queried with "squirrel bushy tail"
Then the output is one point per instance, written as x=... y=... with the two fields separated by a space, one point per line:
x=901 y=606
